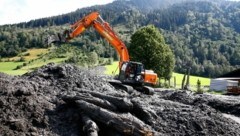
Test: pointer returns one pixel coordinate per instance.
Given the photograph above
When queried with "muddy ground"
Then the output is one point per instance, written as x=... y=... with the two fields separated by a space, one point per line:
x=40 y=103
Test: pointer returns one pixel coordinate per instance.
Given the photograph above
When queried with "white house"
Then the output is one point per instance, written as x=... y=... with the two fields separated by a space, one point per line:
x=221 y=84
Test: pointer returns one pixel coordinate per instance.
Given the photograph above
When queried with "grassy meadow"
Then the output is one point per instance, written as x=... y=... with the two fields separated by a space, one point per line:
x=113 y=70
x=31 y=54
x=193 y=79
x=31 y=60
x=8 y=68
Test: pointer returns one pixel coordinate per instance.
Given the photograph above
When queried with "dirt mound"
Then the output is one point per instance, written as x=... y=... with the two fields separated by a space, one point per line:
x=67 y=100
x=222 y=103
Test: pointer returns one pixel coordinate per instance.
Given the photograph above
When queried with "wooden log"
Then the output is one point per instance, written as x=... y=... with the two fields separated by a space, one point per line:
x=90 y=128
x=122 y=104
x=99 y=102
x=125 y=124
x=144 y=113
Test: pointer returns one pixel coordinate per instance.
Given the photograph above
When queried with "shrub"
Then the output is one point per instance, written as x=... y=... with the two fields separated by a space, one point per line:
x=110 y=61
x=199 y=90
x=18 y=67
x=24 y=64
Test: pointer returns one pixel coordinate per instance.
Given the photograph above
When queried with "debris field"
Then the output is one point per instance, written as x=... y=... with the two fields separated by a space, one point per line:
x=65 y=100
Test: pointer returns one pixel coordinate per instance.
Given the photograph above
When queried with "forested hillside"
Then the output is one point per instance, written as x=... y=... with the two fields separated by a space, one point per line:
x=204 y=35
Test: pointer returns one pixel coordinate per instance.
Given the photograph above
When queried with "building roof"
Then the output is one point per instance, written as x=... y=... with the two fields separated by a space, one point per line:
x=232 y=74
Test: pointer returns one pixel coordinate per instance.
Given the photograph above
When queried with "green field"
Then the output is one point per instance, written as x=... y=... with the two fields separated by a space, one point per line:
x=40 y=63
x=33 y=54
x=32 y=61
x=113 y=69
x=193 y=79
x=8 y=68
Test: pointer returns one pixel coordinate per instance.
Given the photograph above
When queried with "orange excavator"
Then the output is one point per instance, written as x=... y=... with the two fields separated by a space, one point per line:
x=130 y=73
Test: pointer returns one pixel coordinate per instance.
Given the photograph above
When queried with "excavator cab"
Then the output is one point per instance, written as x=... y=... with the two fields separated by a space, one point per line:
x=132 y=73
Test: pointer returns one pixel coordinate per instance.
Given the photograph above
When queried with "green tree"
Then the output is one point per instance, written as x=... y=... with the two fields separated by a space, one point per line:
x=93 y=58
x=148 y=46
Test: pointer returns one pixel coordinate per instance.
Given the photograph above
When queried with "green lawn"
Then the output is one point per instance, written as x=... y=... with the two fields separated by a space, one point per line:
x=40 y=63
x=112 y=69
x=193 y=79
x=33 y=54
x=8 y=68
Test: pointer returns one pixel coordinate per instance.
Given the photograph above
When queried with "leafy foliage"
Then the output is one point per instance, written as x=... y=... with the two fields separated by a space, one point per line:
x=148 y=46
x=199 y=90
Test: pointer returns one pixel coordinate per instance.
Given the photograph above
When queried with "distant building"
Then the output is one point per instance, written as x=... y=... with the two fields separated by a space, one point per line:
x=227 y=80
x=221 y=84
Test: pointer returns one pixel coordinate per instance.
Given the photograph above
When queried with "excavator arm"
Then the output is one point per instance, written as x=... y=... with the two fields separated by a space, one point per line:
x=106 y=31
x=102 y=27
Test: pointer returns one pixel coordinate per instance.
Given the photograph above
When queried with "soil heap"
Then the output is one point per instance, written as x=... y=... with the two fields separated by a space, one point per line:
x=67 y=100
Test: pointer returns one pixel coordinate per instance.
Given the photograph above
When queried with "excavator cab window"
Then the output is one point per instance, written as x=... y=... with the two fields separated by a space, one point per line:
x=131 y=72
x=140 y=69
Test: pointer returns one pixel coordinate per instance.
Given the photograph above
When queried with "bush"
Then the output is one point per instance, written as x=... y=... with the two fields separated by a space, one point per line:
x=166 y=85
x=110 y=61
x=24 y=64
x=18 y=67
x=199 y=89
x=61 y=56
x=22 y=59
x=39 y=55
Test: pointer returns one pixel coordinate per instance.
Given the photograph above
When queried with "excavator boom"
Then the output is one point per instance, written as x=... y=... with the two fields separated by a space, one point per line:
x=102 y=27
x=112 y=38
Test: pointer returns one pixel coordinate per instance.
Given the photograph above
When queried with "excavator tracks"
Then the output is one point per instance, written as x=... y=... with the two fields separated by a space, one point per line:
x=146 y=90
x=131 y=88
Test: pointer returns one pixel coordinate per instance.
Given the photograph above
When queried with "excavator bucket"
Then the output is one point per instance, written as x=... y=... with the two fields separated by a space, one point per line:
x=55 y=39
x=59 y=38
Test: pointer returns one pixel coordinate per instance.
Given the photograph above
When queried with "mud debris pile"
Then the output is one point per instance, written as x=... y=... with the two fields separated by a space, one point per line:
x=67 y=100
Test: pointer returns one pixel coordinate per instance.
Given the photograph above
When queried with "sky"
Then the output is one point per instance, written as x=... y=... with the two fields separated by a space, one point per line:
x=16 y=11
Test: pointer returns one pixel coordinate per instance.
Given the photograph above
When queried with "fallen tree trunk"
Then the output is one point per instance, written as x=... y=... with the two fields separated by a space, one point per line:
x=126 y=124
x=99 y=102
x=122 y=104
x=144 y=113
x=90 y=128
